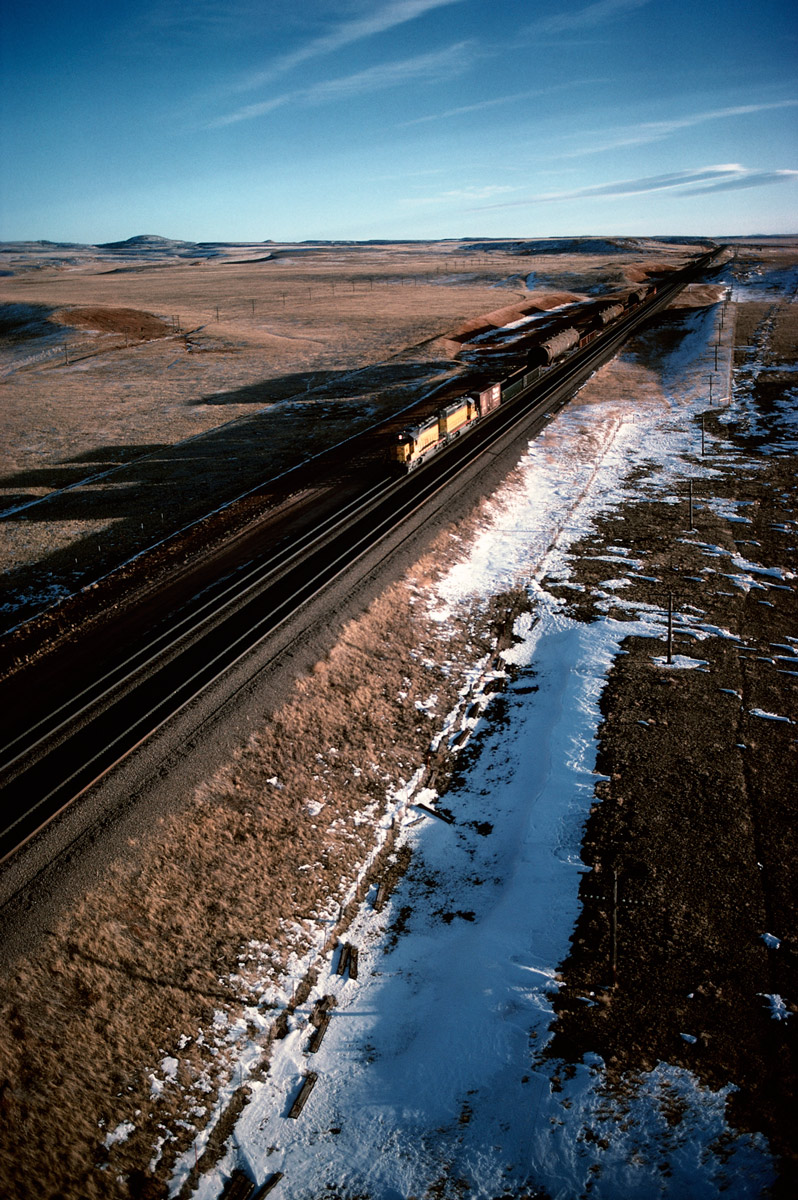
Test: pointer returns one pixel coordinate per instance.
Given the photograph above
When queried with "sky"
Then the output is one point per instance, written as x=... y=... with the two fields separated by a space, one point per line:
x=249 y=120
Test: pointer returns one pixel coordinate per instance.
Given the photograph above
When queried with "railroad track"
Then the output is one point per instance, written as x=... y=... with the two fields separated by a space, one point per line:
x=52 y=761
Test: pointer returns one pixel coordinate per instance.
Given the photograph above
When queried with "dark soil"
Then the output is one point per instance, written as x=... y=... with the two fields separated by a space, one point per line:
x=130 y=321
x=693 y=838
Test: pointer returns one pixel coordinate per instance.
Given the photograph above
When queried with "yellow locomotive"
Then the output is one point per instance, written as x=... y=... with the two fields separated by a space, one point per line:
x=417 y=442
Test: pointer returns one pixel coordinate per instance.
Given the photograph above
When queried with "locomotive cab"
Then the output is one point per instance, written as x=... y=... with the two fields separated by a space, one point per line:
x=402 y=448
x=411 y=443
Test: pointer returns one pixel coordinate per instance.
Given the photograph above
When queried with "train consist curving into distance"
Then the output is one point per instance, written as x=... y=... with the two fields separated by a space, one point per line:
x=415 y=444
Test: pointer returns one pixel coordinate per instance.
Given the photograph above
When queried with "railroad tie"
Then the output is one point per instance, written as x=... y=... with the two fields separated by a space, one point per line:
x=267 y=1186
x=301 y=1097
x=347 y=960
x=343 y=959
x=425 y=808
x=239 y=1186
x=320 y=1008
x=318 y=1034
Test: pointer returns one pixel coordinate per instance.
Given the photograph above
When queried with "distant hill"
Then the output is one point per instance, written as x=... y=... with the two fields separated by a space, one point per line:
x=152 y=245
x=562 y=245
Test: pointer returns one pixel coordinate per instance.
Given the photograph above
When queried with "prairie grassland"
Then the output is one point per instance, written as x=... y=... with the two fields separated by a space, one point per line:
x=216 y=901
x=211 y=908
x=107 y=372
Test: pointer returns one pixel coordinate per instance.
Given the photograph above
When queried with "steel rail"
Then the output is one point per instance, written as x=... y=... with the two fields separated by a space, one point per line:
x=322 y=580
x=378 y=502
x=209 y=609
x=177 y=700
x=269 y=622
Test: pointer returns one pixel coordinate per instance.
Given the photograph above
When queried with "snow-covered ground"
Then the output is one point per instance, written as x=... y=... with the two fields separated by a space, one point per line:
x=431 y=1072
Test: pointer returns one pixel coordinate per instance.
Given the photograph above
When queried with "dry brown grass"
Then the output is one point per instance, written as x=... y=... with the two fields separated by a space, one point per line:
x=252 y=334
x=130 y=322
x=219 y=899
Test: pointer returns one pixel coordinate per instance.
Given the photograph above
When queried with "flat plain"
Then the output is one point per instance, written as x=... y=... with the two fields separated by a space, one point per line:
x=144 y=386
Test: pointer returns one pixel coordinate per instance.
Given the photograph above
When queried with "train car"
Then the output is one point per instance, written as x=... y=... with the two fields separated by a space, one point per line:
x=553 y=347
x=489 y=399
x=609 y=314
x=418 y=442
x=512 y=385
x=457 y=414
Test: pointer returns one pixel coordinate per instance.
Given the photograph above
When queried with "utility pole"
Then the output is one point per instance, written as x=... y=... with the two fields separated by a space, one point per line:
x=614 y=927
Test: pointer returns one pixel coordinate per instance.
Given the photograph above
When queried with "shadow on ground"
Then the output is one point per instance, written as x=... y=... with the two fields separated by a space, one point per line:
x=333 y=385
x=152 y=490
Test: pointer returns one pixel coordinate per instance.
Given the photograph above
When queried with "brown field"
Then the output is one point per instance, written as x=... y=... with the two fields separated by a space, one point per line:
x=140 y=394
x=133 y=970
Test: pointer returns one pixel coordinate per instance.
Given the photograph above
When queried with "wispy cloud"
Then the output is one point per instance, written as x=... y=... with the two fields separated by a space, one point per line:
x=599 y=13
x=219 y=18
x=464 y=109
x=747 y=179
x=654 y=131
x=435 y=66
x=723 y=177
x=383 y=18
x=496 y=101
x=461 y=195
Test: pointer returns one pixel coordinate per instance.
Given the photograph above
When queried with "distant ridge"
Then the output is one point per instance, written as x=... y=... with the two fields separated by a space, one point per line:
x=153 y=243
x=145 y=247
x=142 y=239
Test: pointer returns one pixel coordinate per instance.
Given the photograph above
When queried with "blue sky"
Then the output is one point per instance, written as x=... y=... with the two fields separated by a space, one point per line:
x=355 y=119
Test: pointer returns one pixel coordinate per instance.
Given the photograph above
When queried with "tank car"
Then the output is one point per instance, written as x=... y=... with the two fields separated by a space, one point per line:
x=609 y=314
x=553 y=347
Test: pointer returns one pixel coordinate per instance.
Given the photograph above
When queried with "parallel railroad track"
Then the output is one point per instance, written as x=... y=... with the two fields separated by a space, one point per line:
x=48 y=764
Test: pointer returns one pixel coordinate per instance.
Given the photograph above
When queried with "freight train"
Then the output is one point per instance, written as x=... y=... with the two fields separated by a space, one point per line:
x=415 y=444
